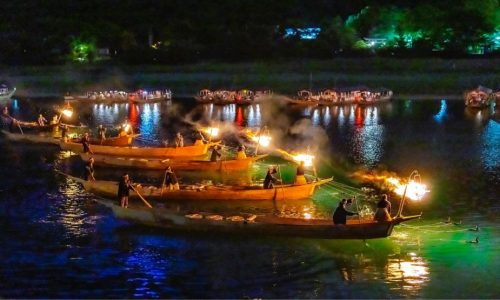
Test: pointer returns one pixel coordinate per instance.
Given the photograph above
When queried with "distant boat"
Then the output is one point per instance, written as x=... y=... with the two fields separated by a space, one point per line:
x=480 y=97
x=6 y=92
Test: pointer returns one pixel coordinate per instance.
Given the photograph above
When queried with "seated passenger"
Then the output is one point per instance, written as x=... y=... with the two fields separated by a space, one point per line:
x=241 y=152
x=383 y=212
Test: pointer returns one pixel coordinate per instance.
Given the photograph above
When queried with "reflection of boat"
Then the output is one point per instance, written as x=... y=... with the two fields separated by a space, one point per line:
x=149 y=152
x=479 y=98
x=197 y=192
x=162 y=164
x=6 y=92
x=32 y=138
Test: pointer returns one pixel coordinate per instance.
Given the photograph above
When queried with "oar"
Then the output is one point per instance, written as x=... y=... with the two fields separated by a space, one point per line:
x=140 y=196
x=19 y=125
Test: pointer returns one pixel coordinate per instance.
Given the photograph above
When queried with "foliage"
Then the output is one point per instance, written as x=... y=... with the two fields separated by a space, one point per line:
x=179 y=31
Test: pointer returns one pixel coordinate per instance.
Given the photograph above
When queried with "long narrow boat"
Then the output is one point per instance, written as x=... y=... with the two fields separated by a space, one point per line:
x=176 y=164
x=256 y=225
x=286 y=192
x=150 y=152
x=32 y=138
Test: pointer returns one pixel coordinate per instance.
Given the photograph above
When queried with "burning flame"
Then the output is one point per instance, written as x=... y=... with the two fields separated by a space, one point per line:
x=126 y=127
x=263 y=140
x=212 y=131
x=306 y=158
x=414 y=190
x=67 y=112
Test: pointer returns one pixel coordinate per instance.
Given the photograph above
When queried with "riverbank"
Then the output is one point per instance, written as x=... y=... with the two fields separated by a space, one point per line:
x=408 y=78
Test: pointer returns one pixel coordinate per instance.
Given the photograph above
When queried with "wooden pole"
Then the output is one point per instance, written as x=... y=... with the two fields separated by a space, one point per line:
x=142 y=198
x=281 y=179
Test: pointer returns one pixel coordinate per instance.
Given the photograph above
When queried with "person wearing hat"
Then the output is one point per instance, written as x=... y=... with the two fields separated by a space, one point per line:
x=101 y=133
x=179 y=140
x=124 y=188
x=86 y=143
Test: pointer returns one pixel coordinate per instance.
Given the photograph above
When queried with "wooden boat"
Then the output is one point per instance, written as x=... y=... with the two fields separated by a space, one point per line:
x=176 y=164
x=149 y=152
x=142 y=96
x=118 y=141
x=194 y=192
x=32 y=138
x=247 y=224
x=480 y=97
x=204 y=96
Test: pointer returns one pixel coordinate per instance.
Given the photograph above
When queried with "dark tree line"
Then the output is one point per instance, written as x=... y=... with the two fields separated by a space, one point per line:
x=176 y=31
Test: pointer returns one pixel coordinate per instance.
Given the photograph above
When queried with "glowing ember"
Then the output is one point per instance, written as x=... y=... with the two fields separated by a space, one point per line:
x=306 y=158
x=414 y=190
x=307 y=216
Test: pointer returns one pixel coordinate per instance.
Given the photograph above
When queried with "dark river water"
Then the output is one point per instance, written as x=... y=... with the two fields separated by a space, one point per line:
x=57 y=242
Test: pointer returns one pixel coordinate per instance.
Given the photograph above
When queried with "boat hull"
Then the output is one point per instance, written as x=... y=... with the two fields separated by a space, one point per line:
x=150 y=152
x=262 y=225
x=285 y=192
x=32 y=138
x=162 y=164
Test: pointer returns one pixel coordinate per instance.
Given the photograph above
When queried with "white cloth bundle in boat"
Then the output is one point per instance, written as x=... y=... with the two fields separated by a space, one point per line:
x=251 y=218
x=215 y=217
x=194 y=216
x=235 y=218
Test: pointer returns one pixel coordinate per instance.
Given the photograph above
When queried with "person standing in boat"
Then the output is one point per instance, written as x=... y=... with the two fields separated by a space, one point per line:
x=171 y=180
x=89 y=170
x=179 y=140
x=300 y=178
x=216 y=153
x=270 y=180
x=101 y=132
x=383 y=212
x=41 y=120
x=241 y=152
x=124 y=188
x=64 y=132
x=86 y=143
x=340 y=214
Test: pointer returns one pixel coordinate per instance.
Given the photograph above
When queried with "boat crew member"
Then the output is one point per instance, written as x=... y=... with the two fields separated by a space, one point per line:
x=86 y=143
x=101 y=132
x=5 y=112
x=41 y=120
x=55 y=120
x=383 y=212
x=171 y=180
x=124 y=188
x=341 y=213
x=179 y=140
x=64 y=132
x=199 y=139
x=89 y=170
x=270 y=180
x=300 y=178
x=241 y=152
x=216 y=153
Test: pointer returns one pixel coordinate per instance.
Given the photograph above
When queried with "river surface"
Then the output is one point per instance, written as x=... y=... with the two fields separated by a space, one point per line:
x=57 y=242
